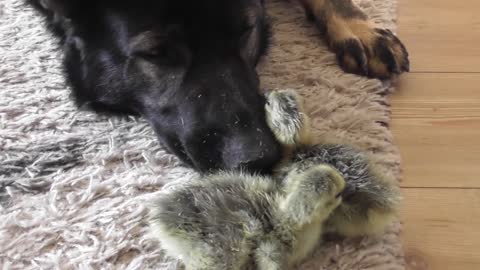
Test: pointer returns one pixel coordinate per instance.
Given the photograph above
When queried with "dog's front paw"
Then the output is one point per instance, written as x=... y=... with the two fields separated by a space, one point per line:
x=365 y=50
x=361 y=47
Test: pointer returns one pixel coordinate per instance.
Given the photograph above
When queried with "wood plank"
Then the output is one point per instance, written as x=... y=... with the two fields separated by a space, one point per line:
x=441 y=35
x=436 y=125
x=441 y=228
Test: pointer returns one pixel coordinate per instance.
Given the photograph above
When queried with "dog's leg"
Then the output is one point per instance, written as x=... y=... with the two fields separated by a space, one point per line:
x=361 y=47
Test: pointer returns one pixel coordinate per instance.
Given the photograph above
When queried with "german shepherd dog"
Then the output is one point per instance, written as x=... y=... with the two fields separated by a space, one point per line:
x=188 y=67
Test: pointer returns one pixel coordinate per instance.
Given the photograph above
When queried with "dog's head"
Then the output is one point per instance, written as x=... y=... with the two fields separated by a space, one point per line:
x=188 y=66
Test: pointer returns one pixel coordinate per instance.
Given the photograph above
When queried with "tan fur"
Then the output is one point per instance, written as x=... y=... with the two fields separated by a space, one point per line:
x=350 y=63
x=377 y=67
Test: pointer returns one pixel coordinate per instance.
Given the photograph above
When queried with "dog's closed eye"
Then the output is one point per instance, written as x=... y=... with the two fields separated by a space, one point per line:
x=162 y=53
x=166 y=48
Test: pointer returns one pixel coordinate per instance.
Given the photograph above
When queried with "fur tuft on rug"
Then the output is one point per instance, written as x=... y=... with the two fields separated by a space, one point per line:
x=74 y=185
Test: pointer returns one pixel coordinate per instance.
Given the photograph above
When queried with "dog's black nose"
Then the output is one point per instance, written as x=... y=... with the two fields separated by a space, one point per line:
x=252 y=154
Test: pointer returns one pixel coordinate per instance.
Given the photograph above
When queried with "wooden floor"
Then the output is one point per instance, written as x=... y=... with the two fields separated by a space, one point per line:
x=436 y=123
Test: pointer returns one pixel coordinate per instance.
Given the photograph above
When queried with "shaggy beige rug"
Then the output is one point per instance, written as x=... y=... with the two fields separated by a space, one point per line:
x=73 y=185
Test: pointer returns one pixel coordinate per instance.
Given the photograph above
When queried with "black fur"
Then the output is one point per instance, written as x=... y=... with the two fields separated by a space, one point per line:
x=188 y=66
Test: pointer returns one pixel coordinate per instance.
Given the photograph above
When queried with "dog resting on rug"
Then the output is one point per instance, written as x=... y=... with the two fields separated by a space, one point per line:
x=232 y=220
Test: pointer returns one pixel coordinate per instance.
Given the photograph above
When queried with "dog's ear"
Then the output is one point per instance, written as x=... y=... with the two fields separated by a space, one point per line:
x=57 y=6
x=256 y=34
x=59 y=14
x=54 y=7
